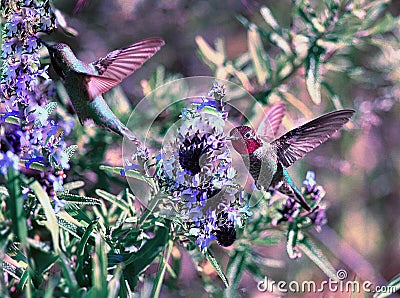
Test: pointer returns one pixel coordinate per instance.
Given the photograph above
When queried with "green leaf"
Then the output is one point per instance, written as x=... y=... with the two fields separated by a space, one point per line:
x=317 y=256
x=34 y=166
x=313 y=76
x=131 y=174
x=391 y=288
x=235 y=269
x=43 y=260
x=76 y=199
x=11 y=269
x=269 y=18
x=70 y=150
x=69 y=277
x=15 y=205
x=258 y=56
x=117 y=200
x=140 y=260
x=209 y=53
x=268 y=240
x=155 y=292
x=387 y=23
x=333 y=96
x=115 y=283
x=217 y=267
x=51 y=222
x=80 y=252
x=99 y=274
x=12 y=120
x=74 y=185
x=70 y=227
x=50 y=107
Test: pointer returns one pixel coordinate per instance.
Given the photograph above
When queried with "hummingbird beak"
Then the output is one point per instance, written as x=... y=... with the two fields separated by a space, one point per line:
x=232 y=138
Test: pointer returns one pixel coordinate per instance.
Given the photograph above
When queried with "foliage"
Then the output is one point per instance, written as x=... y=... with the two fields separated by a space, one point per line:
x=65 y=233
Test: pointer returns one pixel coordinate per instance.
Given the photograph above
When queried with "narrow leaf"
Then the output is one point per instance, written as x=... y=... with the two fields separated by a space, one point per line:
x=50 y=107
x=74 y=185
x=269 y=18
x=130 y=173
x=70 y=150
x=51 y=222
x=235 y=268
x=209 y=53
x=113 y=199
x=258 y=56
x=15 y=205
x=217 y=268
x=155 y=292
x=115 y=283
x=71 y=198
x=313 y=77
x=317 y=256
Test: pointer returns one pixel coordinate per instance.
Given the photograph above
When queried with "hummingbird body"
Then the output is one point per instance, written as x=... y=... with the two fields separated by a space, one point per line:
x=85 y=83
x=267 y=161
x=263 y=164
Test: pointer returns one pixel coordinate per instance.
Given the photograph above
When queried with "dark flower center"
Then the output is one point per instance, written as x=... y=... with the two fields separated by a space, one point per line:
x=191 y=153
x=226 y=232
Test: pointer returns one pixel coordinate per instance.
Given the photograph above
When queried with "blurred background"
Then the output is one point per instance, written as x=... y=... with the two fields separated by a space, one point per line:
x=359 y=169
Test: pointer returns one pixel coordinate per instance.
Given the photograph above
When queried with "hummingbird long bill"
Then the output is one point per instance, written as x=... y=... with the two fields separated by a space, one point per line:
x=267 y=161
x=86 y=82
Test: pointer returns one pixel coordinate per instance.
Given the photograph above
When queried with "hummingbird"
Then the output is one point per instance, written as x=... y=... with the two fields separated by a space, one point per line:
x=86 y=82
x=267 y=161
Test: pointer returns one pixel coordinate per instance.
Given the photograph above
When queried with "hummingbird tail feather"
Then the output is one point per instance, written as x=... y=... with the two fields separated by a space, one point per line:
x=287 y=187
x=300 y=199
x=292 y=191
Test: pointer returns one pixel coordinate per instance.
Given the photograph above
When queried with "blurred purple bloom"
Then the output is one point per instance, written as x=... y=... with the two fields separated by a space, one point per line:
x=318 y=217
x=8 y=160
x=12 y=26
x=31 y=44
x=289 y=211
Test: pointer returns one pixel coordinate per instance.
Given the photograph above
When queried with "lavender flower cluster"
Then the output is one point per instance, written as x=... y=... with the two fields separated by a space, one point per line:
x=195 y=171
x=313 y=193
x=28 y=135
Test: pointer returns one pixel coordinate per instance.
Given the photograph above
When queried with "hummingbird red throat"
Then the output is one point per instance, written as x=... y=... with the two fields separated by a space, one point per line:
x=267 y=161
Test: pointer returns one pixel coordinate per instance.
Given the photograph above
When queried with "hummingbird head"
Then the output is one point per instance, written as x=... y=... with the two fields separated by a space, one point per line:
x=244 y=139
x=61 y=57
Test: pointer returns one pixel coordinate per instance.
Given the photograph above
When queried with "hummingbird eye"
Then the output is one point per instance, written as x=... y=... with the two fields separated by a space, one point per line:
x=247 y=135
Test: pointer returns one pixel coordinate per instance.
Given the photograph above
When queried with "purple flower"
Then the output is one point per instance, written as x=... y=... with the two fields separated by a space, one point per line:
x=12 y=26
x=31 y=44
x=24 y=86
x=7 y=47
x=289 y=211
x=312 y=190
x=8 y=160
x=318 y=217
x=195 y=170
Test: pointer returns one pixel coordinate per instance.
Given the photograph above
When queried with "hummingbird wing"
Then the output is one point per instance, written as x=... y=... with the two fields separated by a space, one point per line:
x=119 y=64
x=298 y=142
x=269 y=127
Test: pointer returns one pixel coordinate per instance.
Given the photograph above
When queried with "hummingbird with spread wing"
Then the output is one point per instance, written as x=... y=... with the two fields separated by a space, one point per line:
x=86 y=82
x=267 y=161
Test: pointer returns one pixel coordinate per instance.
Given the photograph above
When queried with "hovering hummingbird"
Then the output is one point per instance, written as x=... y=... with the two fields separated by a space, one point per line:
x=85 y=83
x=267 y=161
